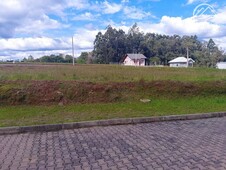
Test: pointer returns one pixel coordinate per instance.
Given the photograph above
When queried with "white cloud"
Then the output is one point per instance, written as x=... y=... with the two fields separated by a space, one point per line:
x=111 y=8
x=36 y=54
x=188 y=26
x=125 y=1
x=78 y=4
x=36 y=27
x=16 y=15
x=191 y=1
x=135 y=13
x=87 y=16
x=221 y=42
x=10 y=15
x=219 y=17
x=84 y=38
x=38 y=43
x=39 y=46
x=148 y=1
x=32 y=18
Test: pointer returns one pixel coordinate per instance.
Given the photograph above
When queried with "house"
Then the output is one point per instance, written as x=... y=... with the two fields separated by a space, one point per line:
x=181 y=62
x=221 y=65
x=134 y=60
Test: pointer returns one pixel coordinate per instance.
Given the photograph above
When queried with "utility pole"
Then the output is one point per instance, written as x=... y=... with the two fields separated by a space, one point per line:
x=73 y=51
x=187 y=57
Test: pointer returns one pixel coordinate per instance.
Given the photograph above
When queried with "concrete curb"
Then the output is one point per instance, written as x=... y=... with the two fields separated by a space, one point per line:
x=111 y=122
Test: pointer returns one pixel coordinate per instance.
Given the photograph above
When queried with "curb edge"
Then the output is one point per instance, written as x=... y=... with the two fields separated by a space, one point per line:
x=110 y=122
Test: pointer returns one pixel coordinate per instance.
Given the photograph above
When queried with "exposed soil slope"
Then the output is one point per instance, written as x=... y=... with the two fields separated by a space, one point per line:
x=66 y=92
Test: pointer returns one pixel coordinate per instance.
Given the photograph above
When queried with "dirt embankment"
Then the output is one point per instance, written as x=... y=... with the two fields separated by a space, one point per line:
x=66 y=92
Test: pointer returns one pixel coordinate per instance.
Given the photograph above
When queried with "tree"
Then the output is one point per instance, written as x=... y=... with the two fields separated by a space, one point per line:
x=155 y=60
x=24 y=59
x=114 y=44
x=211 y=45
x=109 y=47
x=68 y=59
x=99 y=48
x=83 y=58
x=215 y=54
x=56 y=59
x=30 y=58
x=134 y=39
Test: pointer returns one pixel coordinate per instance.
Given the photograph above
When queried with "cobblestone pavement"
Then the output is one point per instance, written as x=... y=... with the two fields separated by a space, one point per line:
x=196 y=144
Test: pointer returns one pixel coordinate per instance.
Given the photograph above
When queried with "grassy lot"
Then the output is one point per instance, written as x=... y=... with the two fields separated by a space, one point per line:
x=34 y=115
x=47 y=94
x=107 y=73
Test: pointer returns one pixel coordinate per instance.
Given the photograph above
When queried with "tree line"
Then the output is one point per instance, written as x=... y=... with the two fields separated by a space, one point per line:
x=53 y=58
x=112 y=46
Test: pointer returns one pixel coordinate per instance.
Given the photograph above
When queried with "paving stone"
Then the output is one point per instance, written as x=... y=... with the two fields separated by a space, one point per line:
x=192 y=144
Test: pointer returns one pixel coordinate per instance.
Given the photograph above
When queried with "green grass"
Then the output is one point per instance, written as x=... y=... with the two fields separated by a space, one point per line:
x=106 y=73
x=34 y=115
x=203 y=91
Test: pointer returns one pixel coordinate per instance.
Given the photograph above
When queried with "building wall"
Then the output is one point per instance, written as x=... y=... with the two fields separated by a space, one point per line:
x=129 y=62
x=178 y=65
x=140 y=62
x=190 y=64
x=221 y=65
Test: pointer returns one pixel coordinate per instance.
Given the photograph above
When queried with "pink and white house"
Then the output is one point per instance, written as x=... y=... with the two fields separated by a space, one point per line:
x=134 y=60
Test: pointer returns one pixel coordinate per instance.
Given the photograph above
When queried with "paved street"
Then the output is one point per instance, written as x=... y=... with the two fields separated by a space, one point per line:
x=196 y=144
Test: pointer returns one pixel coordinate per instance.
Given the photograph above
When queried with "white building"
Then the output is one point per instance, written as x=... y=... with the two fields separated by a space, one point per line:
x=181 y=62
x=221 y=65
x=134 y=60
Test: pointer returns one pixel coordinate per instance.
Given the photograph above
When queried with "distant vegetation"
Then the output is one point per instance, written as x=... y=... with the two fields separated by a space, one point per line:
x=112 y=46
x=50 y=59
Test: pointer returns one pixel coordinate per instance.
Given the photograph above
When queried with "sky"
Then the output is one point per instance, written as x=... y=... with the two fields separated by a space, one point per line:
x=44 y=27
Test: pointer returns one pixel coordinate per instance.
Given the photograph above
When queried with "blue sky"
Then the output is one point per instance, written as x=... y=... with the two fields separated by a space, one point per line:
x=39 y=27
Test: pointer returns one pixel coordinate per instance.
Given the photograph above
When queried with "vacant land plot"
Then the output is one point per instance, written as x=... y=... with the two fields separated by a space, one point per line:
x=43 y=94
x=107 y=73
